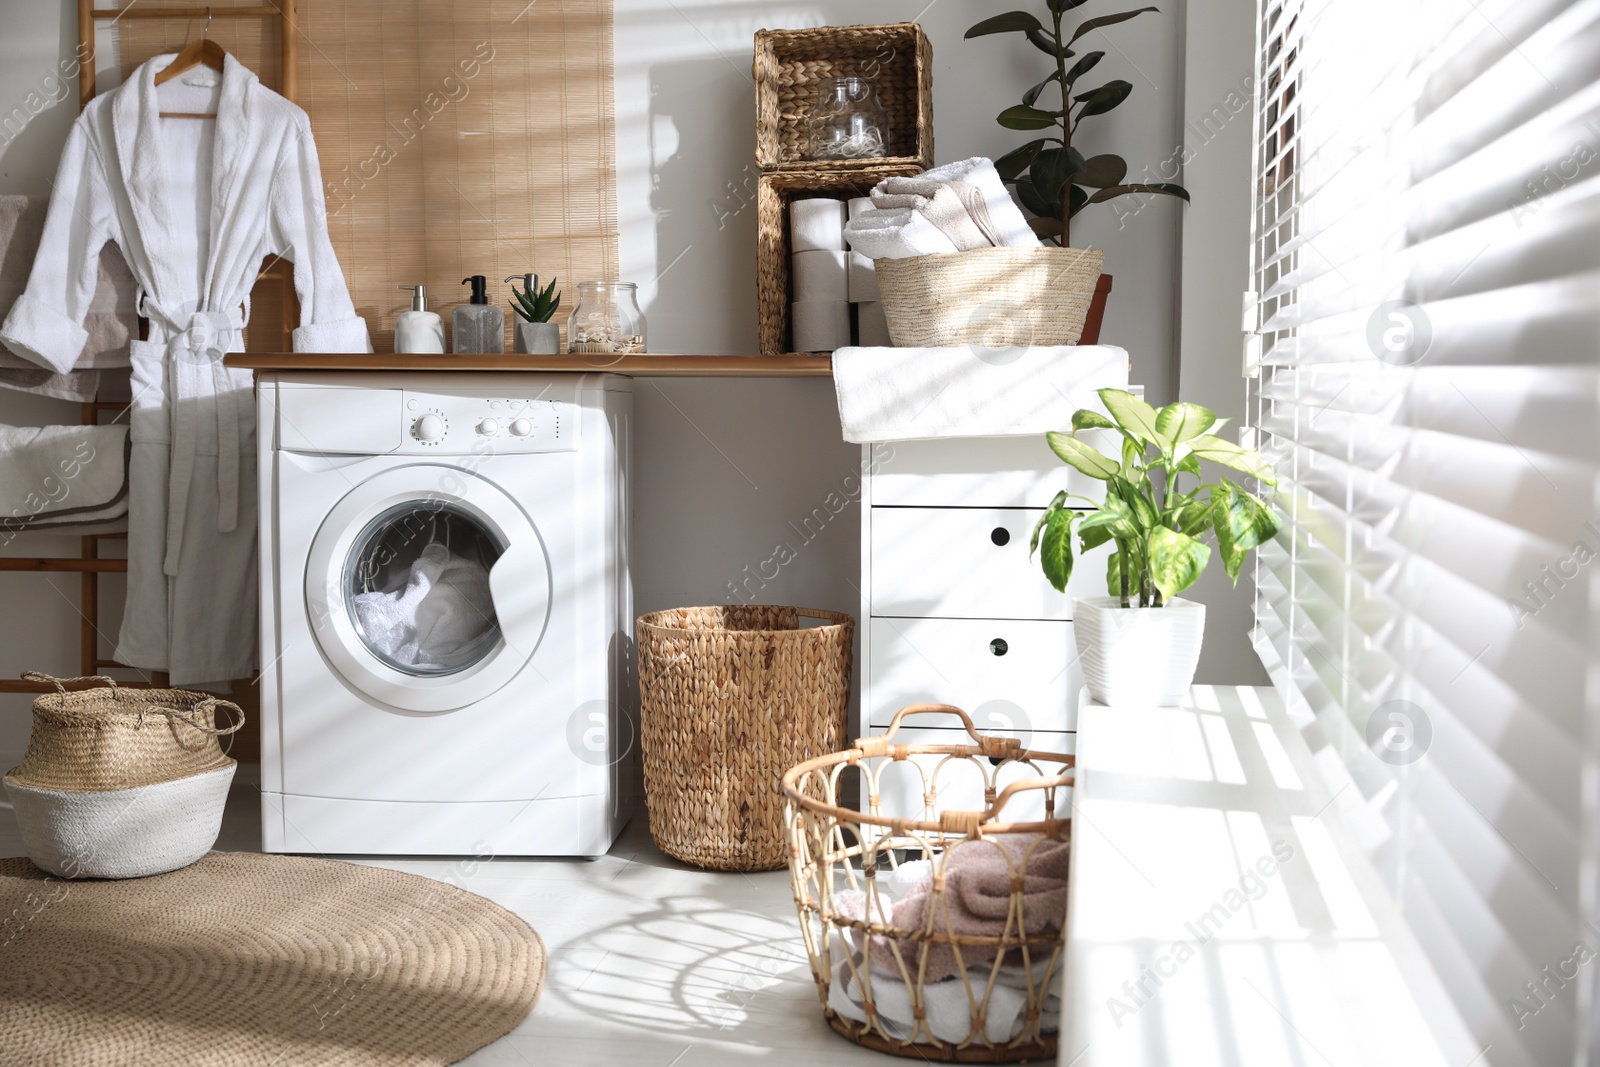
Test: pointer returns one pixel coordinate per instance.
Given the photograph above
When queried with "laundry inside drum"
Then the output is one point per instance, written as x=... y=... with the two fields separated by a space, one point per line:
x=417 y=588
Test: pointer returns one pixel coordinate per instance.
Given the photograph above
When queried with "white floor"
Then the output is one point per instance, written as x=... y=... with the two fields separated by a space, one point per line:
x=652 y=963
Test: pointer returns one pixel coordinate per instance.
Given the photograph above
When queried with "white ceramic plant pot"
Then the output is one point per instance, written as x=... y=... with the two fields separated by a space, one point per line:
x=1138 y=656
x=539 y=338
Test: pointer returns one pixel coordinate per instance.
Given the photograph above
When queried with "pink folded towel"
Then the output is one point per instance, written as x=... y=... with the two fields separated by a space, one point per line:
x=976 y=901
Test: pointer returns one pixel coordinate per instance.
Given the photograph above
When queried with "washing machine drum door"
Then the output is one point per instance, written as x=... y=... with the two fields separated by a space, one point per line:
x=428 y=588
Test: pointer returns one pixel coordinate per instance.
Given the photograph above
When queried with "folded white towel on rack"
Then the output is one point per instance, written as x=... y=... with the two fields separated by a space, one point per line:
x=899 y=233
x=900 y=394
x=1006 y=224
x=53 y=476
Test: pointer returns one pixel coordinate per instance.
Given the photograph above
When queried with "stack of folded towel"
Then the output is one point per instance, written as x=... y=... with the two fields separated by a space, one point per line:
x=976 y=901
x=954 y=208
x=54 y=477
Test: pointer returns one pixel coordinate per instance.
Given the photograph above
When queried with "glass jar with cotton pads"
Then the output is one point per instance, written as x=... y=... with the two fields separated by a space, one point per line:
x=607 y=319
x=849 y=121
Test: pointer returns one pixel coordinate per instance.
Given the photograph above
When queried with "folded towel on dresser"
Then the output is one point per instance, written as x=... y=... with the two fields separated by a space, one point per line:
x=53 y=477
x=901 y=394
x=976 y=181
x=896 y=233
x=111 y=321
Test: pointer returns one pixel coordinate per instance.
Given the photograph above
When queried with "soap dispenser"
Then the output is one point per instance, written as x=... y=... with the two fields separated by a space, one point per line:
x=418 y=330
x=478 y=327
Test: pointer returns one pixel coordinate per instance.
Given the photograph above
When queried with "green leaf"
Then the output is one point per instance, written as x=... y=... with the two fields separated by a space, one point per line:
x=1133 y=415
x=1132 y=453
x=1044 y=42
x=1114 y=574
x=1101 y=171
x=1083 y=66
x=1046 y=227
x=1035 y=203
x=1079 y=455
x=1087 y=419
x=1053 y=168
x=1191 y=517
x=1055 y=547
x=1023 y=117
x=1158 y=188
x=1033 y=541
x=1018 y=160
x=1179 y=422
x=1187 y=465
x=1079 y=198
x=1058 y=6
x=1231 y=455
x=1092 y=537
x=1115 y=521
x=1144 y=512
x=1032 y=95
x=1176 y=560
x=1107 y=20
x=1010 y=22
x=1099 y=101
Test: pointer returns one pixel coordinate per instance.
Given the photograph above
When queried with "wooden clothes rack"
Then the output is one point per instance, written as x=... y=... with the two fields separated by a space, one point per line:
x=89 y=564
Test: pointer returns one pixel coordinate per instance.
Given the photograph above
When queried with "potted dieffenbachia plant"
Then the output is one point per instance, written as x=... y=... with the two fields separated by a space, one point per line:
x=1141 y=643
x=1052 y=178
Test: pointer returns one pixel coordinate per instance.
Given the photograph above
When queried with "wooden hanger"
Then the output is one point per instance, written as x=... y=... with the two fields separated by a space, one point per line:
x=204 y=52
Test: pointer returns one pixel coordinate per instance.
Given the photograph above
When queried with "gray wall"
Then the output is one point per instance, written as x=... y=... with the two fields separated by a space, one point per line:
x=723 y=467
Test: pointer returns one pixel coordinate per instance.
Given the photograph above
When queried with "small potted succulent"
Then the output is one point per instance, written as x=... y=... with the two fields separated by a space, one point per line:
x=1141 y=644
x=536 y=334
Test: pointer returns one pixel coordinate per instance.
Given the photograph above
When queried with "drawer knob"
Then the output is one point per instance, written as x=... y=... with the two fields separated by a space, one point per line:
x=1000 y=535
x=999 y=647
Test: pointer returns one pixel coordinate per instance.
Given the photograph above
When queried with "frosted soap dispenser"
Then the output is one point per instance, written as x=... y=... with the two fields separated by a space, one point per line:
x=478 y=327
x=418 y=330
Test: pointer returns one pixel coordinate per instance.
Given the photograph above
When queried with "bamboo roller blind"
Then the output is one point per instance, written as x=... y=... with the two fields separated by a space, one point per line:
x=456 y=138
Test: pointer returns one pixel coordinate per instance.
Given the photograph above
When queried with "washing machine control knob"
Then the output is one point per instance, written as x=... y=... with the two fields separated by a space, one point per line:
x=488 y=427
x=428 y=428
x=521 y=427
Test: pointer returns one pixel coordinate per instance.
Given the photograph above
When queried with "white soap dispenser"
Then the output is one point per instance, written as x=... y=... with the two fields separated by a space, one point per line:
x=418 y=330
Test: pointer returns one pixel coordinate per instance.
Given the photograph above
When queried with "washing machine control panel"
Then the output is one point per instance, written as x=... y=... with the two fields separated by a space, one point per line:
x=455 y=423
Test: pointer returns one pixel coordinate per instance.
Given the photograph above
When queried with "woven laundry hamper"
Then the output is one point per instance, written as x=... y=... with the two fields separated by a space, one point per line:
x=731 y=697
x=121 y=783
x=991 y=297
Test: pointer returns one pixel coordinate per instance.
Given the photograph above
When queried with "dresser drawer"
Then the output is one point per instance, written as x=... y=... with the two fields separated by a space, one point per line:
x=969 y=563
x=995 y=472
x=959 y=786
x=1008 y=676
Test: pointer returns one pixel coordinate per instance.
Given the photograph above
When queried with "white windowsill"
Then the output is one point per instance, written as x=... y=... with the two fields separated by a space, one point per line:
x=1177 y=813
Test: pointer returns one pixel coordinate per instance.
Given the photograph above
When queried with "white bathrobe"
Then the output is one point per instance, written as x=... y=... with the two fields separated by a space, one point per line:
x=195 y=207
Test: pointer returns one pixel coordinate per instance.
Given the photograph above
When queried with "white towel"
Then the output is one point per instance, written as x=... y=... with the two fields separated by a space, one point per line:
x=816 y=223
x=1007 y=226
x=436 y=620
x=53 y=476
x=897 y=234
x=858 y=204
x=898 y=394
x=948 y=1012
x=940 y=205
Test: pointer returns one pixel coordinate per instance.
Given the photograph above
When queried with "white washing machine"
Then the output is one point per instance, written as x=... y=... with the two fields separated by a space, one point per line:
x=446 y=612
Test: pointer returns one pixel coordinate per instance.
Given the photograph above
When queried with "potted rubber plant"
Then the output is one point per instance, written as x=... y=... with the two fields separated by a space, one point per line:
x=536 y=334
x=1052 y=178
x=1141 y=643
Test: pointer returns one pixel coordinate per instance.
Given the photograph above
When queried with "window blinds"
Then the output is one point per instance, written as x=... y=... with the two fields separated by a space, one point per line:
x=1424 y=377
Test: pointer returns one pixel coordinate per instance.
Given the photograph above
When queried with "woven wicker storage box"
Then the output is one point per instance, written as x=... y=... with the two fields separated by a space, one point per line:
x=774 y=282
x=789 y=64
x=731 y=697
x=935 y=987
x=995 y=297
x=121 y=783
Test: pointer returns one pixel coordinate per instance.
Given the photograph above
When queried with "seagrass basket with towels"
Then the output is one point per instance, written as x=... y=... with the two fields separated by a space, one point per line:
x=120 y=782
x=993 y=297
x=934 y=931
x=730 y=698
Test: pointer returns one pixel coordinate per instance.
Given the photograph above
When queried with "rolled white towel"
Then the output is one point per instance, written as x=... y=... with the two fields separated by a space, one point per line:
x=941 y=205
x=816 y=223
x=898 y=234
x=1008 y=226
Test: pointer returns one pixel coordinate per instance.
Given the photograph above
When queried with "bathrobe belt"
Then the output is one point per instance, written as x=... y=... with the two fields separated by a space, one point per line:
x=196 y=344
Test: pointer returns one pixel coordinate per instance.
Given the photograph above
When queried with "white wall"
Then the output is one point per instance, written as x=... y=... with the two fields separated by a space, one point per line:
x=723 y=467
x=1219 y=64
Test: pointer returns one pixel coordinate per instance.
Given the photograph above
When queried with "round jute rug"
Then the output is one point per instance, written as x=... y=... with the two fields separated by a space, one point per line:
x=245 y=959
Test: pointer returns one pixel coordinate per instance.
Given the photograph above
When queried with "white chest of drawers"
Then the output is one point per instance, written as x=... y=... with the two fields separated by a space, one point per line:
x=953 y=611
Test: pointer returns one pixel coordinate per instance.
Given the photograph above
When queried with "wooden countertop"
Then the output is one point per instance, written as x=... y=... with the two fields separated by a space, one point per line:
x=641 y=366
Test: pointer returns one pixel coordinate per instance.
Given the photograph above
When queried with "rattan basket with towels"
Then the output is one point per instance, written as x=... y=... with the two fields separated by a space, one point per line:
x=730 y=698
x=121 y=783
x=993 y=297
x=958 y=958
